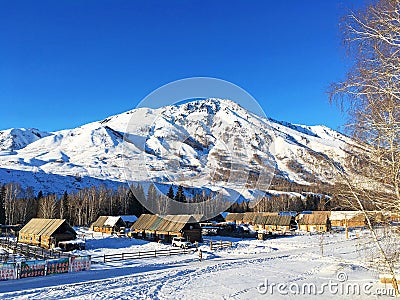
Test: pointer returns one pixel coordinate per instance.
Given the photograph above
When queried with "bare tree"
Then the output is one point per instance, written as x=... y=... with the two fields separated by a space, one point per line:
x=371 y=92
x=12 y=191
x=47 y=207
x=371 y=95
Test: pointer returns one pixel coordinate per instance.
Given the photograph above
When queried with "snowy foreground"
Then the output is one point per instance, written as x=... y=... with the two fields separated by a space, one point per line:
x=291 y=267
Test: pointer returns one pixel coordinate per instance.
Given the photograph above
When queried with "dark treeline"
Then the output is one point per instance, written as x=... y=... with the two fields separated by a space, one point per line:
x=18 y=205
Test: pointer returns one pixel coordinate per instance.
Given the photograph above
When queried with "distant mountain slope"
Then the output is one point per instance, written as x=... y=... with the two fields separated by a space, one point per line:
x=18 y=138
x=191 y=144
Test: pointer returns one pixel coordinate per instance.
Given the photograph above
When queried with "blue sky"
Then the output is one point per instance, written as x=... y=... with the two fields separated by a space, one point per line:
x=67 y=63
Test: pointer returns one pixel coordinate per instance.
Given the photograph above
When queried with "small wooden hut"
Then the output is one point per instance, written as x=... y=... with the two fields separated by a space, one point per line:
x=350 y=219
x=46 y=233
x=314 y=223
x=276 y=224
x=108 y=224
x=155 y=227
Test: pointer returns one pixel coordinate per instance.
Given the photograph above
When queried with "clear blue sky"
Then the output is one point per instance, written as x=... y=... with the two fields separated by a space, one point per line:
x=67 y=63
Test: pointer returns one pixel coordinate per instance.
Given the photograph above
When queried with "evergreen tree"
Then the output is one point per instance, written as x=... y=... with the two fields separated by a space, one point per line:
x=39 y=195
x=170 y=193
x=180 y=196
x=134 y=206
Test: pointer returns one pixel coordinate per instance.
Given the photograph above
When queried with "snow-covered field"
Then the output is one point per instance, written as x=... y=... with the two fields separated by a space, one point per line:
x=289 y=267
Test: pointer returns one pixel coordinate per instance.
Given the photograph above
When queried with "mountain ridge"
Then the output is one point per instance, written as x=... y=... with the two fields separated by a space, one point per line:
x=208 y=141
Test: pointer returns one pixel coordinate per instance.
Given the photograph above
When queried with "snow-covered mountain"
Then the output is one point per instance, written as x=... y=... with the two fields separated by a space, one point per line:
x=18 y=138
x=206 y=143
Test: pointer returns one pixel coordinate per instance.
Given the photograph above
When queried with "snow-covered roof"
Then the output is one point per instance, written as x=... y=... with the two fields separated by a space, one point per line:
x=342 y=215
x=111 y=221
x=130 y=219
x=108 y=221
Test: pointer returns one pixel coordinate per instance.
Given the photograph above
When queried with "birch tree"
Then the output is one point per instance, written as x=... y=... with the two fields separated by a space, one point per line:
x=370 y=94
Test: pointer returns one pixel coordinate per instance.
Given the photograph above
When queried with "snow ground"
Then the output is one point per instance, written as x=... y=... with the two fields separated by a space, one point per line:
x=234 y=273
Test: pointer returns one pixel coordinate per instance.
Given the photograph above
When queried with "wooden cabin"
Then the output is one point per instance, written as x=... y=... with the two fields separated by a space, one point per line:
x=155 y=227
x=247 y=217
x=108 y=224
x=349 y=219
x=276 y=224
x=46 y=233
x=314 y=223
x=236 y=218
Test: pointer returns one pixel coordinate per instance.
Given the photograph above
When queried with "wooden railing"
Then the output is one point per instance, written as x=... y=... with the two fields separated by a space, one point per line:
x=29 y=251
x=215 y=245
x=140 y=254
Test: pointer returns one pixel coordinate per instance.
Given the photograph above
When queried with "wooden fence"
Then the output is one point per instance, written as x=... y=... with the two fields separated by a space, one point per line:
x=140 y=254
x=215 y=245
x=29 y=251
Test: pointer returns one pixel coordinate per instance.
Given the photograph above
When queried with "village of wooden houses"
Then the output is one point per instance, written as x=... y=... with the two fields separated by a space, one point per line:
x=52 y=246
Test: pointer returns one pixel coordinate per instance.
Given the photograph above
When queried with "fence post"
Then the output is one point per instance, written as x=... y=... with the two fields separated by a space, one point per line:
x=122 y=255
x=211 y=245
x=104 y=258
x=139 y=253
x=230 y=244
x=155 y=253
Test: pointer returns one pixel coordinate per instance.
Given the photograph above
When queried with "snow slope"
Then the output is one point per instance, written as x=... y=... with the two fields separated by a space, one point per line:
x=209 y=143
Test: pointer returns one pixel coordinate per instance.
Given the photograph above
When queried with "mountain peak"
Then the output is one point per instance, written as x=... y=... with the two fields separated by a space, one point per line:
x=193 y=144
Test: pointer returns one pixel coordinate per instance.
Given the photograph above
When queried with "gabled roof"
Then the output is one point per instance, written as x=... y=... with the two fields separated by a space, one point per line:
x=248 y=217
x=108 y=221
x=100 y=221
x=167 y=223
x=234 y=217
x=273 y=220
x=347 y=215
x=46 y=227
x=314 y=219
x=144 y=222
x=112 y=221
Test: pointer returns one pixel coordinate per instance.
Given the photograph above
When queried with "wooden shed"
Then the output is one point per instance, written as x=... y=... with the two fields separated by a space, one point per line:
x=46 y=233
x=276 y=224
x=348 y=219
x=108 y=224
x=166 y=227
x=314 y=223
x=236 y=218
